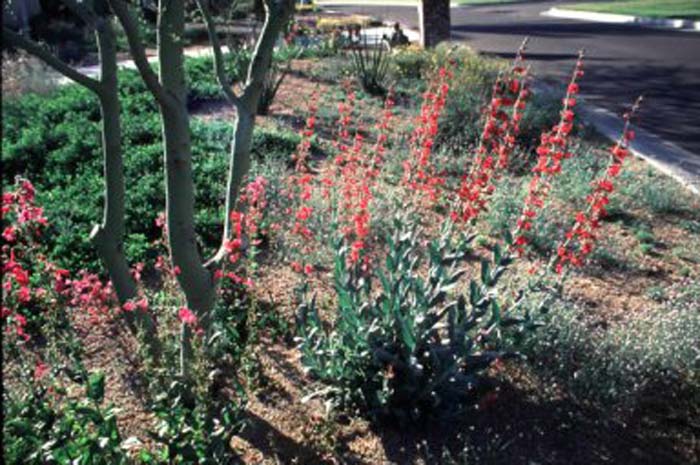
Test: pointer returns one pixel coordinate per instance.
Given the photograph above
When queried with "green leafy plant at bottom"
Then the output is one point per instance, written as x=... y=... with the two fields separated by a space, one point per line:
x=39 y=430
x=191 y=429
x=413 y=347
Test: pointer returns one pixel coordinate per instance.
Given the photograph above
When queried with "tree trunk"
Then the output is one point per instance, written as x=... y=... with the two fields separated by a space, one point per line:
x=434 y=19
x=108 y=237
x=277 y=16
x=240 y=159
x=195 y=280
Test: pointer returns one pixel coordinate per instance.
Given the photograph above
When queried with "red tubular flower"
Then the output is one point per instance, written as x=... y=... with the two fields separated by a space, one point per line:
x=356 y=170
x=10 y=234
x=302 y=183
x=40 y=370
x=580 y=240
x=187 y=316
x=247 y=226
x=418 y=171
x=551 y=151
x=297 y=267
x=501 y=126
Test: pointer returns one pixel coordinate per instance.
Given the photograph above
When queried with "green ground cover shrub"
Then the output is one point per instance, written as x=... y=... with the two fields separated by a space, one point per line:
x=202 y=81
x=78 y=431
x=61 y=153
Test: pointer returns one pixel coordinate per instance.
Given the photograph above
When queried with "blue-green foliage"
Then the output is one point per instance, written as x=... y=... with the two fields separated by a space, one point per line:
x=416 y=345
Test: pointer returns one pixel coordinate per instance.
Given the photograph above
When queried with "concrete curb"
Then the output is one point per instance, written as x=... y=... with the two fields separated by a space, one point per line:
x=680 y=24
x=387 y=3
x=665 y=156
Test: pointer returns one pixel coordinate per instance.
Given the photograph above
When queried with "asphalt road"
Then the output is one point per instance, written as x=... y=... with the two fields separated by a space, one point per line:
x=623 y=61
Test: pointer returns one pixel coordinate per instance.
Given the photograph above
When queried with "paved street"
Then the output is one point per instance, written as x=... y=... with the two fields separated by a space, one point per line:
x=623 y=60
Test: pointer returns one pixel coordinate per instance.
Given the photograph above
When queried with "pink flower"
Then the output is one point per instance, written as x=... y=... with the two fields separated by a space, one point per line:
x=24 y=295
x=187 y=317
x=9 y=234
x=129 y=306
x=21 y=276
x=40 y=370
x=160 y=220
x=142 y=304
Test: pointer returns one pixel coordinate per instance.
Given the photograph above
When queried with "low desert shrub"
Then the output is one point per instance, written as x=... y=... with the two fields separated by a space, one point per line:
x=410 y=62
x=660 y=195
x=628 y=364
x=472 y=86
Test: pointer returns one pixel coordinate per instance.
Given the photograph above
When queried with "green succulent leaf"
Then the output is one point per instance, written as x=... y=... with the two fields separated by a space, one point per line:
x=96 y=386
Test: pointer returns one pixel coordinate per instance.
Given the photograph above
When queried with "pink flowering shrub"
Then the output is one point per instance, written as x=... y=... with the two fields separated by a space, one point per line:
x=31 y=285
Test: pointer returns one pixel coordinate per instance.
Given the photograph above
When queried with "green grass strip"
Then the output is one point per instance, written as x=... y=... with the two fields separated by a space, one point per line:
x=687 y=9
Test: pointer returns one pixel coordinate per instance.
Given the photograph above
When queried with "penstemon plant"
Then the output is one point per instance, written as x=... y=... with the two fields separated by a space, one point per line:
x=417 y=344
x=409 y=337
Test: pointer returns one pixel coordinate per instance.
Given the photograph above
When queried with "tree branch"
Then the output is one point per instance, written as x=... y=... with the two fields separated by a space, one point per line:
x=277 y=15
x=86 y=14
x=138 y=51
x=218 y=55
x=12 y=38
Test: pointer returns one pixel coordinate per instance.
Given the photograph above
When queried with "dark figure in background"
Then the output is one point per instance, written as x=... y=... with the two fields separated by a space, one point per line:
x=356 y=34
x=398 y=37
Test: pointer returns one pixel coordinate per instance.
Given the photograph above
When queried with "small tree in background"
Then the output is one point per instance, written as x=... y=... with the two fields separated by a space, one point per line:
x=196 y=276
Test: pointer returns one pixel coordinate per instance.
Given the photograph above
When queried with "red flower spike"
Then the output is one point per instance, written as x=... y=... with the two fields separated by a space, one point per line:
x=580 y=239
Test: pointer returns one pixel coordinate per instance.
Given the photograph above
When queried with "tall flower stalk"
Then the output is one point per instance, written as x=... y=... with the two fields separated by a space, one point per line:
x=552 y=150
x=302 y=186
x=419 y=171
x=579 y=241
x=509 y=98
